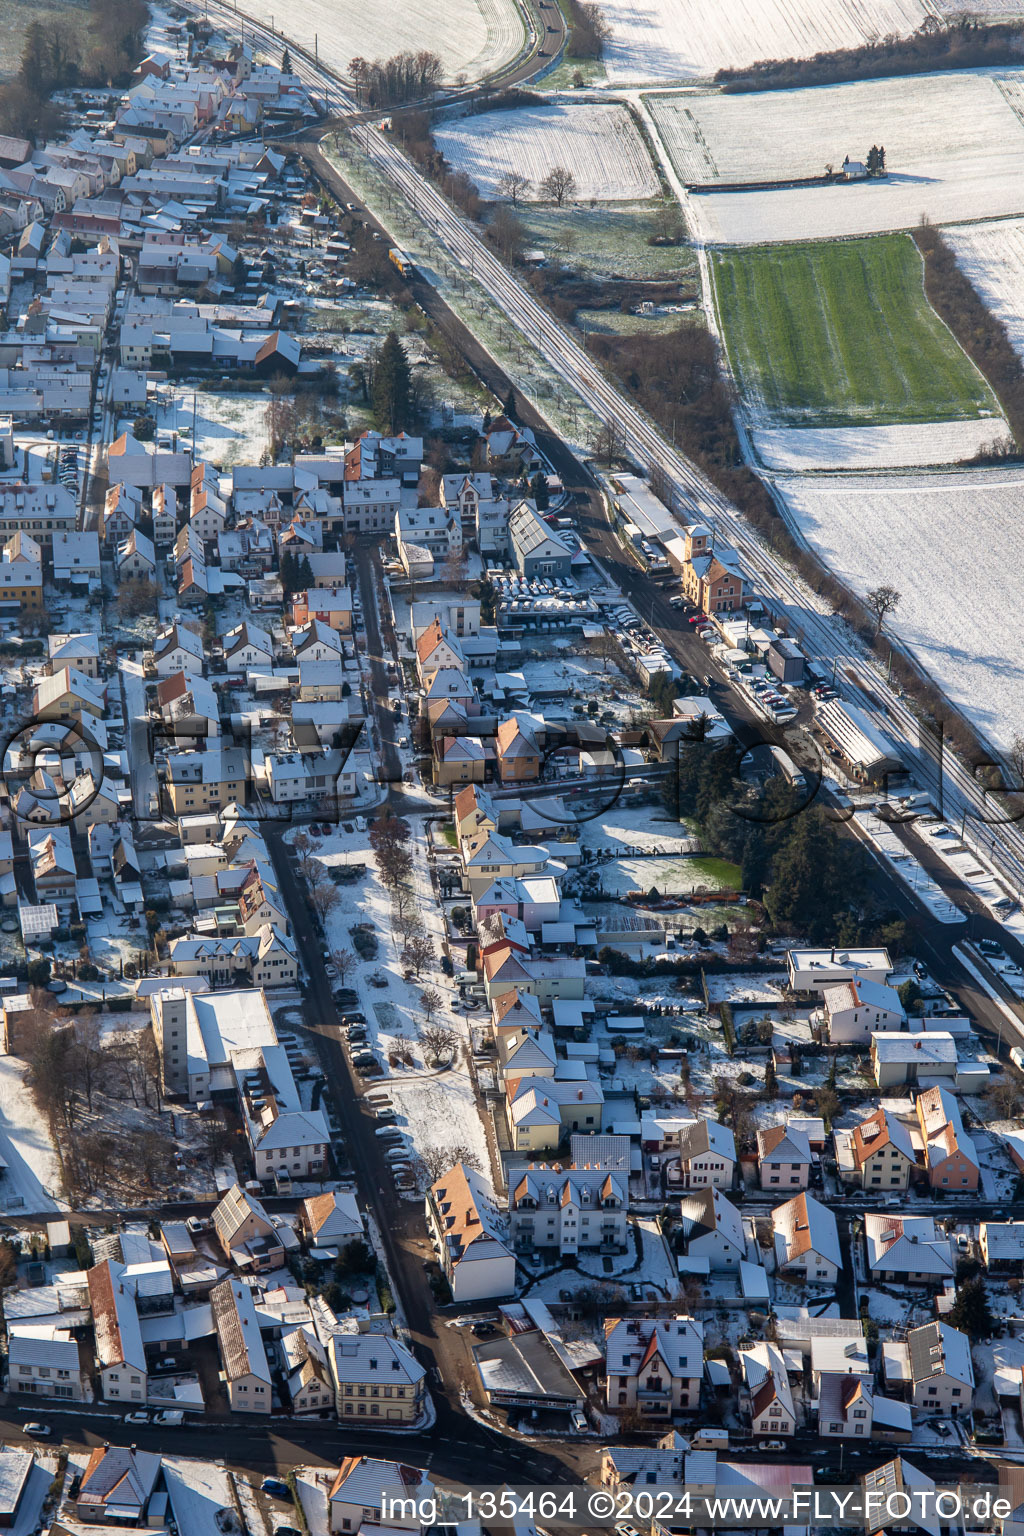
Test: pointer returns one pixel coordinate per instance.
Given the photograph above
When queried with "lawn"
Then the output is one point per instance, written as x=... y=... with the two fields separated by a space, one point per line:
x=841 y=334
x=719 y=872
x=610 y=238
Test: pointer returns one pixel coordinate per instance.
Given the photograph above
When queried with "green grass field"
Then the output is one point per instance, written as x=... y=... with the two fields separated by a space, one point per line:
x=842 y=335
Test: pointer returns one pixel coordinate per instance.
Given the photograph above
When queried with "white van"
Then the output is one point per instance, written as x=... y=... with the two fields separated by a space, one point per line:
x=1017 y=1057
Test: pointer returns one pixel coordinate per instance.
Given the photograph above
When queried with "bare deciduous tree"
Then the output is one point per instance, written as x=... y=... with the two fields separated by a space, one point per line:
x=514 y=185
x=559 y=185
x=343 y=961
x=431 y=1002
x=438 y=1040
x=419 y=953
x=882 y=601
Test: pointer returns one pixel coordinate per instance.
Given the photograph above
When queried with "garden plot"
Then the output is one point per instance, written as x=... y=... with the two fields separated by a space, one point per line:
x=992 y=256
x=685 y=39
x=470 y=36
x=915 y=445
x=229 y=429
x=597 y=143
x=953 y=545
x=781 y=136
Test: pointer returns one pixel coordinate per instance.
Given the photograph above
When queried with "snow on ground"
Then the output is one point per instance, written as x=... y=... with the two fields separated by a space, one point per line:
x=470 y=36
x=198 y=1491
x=437 y=1110
x=597 y=143
x=779 y=135
x=953 y=546
x=33 y=1173
x=913 y=446
x=906 y=868
x=992 y=255
x=229 y=429
x=677 y=39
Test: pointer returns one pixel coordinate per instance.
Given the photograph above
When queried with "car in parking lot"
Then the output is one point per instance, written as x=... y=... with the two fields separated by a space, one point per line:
x=276 y=1488
x=484 y=1330
x=138 y=1417
x=38 y=1431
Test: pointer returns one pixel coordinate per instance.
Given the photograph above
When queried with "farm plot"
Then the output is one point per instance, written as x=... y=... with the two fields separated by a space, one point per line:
x=908 y=446
x=953 y=546
x=472 y=37
x=842 y=335
x=992 y=256
x=597 y=143
x=689 y=39
x=781 y=136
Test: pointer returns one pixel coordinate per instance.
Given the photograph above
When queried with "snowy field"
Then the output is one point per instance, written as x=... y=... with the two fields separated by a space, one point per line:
x=953 y=545
x=33 y=1172
x=687 y=39
x=229 y=429
x=472 y=37
x=597 y=143
x=890 y=447
x=780 y=135
x=992 y=255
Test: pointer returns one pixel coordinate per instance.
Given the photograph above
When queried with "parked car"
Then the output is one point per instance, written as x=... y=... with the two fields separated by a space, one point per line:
x=771 y=1445
x=139 y=1417
x=276 y=1488
x=36 y=1430
x=196 y=1224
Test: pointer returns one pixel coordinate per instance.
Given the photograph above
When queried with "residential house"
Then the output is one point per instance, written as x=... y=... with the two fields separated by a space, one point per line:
x=135 y=559
x=950 y=1156
x=899 y=1059
x=653 y=1366
x=44 y=1359
x=376 y=1377
x=116 y=1487
x=876 y=1154
x=539 y=1110
x=247 y=1375
x=362 y=1488
x=307 y=1372
x=1002 y=1245
x=332 y=1219
x=517 y=755
x=245 y=1232
x=710 y=571
x=470 y=1235
x=706 y=1155
x=120 y=1353
x=247 y=646
x=80 y=651
x=76 y=559
x=712 y=1228
x=855 y=1009
x=907 y=1249
x=941 y=1370
x=568 y=1209
x=767 y=1392
x=807 y=1240
x=784 y=1158
x=52 y=862
x=535 y=549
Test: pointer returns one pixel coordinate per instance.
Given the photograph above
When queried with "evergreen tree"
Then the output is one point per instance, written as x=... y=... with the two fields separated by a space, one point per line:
x=239 y=270
x=286 y=62
x=304 y=575
x=539 y=491
x=392 y=386
x=289 y=571
x=971 y=1312
x=509 y=408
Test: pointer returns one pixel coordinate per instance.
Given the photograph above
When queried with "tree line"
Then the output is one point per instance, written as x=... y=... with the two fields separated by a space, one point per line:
x=588 y=30
x=961 y=43
x=794 y=858
x=99 y=51
x=982 y=334
x=406 y=76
